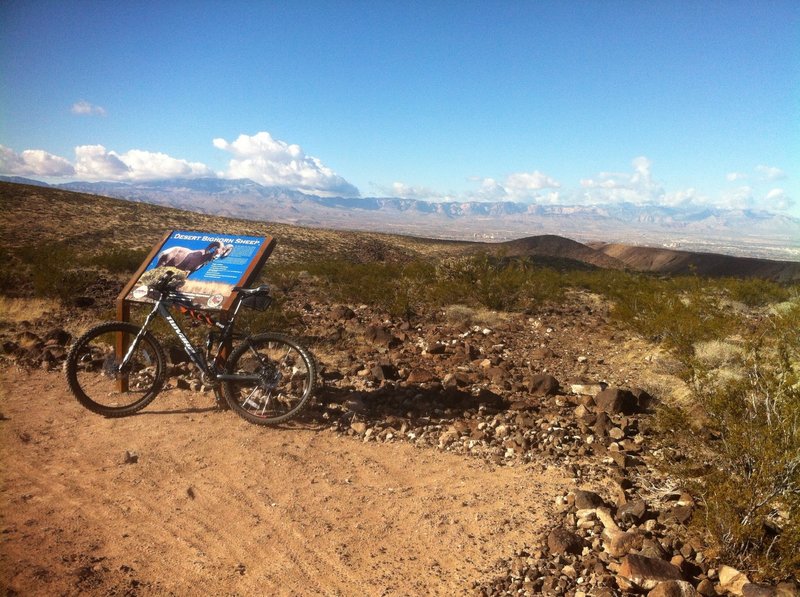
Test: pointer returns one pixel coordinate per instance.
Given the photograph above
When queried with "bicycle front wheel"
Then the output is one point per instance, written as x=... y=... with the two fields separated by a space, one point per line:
x=286 y=372
x=99 y=382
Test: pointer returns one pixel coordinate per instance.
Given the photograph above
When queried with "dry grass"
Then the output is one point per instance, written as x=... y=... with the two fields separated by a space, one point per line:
x=16 y=310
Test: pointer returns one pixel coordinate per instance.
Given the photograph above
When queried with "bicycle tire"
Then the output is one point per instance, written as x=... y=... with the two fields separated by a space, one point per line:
x=96 y=384
x=288 y=374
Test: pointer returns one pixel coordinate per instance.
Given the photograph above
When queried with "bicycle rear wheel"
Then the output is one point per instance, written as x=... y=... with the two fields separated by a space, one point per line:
x=95 y=378
x=287 y=376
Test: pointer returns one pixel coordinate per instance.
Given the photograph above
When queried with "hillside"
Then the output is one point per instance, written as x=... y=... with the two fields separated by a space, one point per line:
x=669 y=261
x=84 y=220
x=739 y=232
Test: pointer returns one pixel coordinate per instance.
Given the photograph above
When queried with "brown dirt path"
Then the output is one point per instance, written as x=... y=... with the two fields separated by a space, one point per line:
x=216 y=506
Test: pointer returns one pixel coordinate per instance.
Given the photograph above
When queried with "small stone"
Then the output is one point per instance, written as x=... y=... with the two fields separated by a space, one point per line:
x=731 y=580
x=632 y=511
x=130 y=457
x=758 y=590
x=359 y=427
x=706 y=588
x=673 y=588
x=421 y=375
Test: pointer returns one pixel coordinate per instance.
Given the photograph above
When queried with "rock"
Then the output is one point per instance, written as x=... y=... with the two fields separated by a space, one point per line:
x=587 y=388
x=57 y=336
x=646 y=573
x=384 y=371
x=342 y=313
x=540 y=354
x=756 y=590
x=731 y=580
x=602 y=425
x=420 y=375
x=130 y=457
x=543 y=385
x=561 y=541
x=706 y=588
x=83 y=302
x=632 y=511
x=673 y=588
x=359 y=427
x=489 y=399
x=622 y=543
x=644 y=400
x=615 y=401
x=380 y=336
x=355 y=404
x=588 y=499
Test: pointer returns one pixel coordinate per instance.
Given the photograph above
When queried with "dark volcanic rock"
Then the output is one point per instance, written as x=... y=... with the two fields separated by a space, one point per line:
x=615 y=401
x=562 y=541
x=543 y=385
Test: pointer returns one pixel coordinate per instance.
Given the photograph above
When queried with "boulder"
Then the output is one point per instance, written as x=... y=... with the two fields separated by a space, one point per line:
x=615 y=401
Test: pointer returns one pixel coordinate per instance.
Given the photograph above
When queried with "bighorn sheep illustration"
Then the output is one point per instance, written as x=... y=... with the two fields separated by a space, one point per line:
x=190 y=261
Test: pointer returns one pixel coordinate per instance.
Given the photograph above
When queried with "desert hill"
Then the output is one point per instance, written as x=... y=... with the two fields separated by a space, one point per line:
x=34 y=214
x=670 y=261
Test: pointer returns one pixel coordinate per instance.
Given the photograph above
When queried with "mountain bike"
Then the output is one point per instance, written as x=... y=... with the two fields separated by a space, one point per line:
x=116 y=368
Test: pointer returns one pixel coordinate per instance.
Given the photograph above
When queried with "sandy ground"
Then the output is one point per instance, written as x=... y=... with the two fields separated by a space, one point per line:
x=215 y=506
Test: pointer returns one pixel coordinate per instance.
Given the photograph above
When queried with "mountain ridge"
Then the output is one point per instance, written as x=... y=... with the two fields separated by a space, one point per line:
x=739 y=232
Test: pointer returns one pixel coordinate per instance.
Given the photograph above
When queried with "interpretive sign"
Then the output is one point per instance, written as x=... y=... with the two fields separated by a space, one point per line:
x=206 y=265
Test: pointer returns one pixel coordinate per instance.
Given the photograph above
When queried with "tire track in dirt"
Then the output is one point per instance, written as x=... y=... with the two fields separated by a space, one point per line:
x=217 y=505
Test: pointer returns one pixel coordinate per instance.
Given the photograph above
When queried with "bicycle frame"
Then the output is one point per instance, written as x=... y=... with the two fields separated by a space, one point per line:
x=212 y=373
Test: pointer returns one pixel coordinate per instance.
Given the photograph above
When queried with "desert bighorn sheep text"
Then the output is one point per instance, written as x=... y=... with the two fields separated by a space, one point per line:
x=190 y=261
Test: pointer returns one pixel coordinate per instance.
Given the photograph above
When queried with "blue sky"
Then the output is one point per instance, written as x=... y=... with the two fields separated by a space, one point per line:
x=662 y=102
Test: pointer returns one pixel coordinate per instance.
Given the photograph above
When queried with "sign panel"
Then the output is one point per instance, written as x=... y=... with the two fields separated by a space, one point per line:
x=207 y=265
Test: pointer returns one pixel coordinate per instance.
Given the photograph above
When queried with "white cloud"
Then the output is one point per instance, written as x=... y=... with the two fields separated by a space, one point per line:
x=519 y=186
x=614 y=187
x=33 y=162
x=778 y=199
x=147 y=165
x=95 y=162
x=84 y=108
x=738 y=198
x=770 y=173
x=276 y=163
x=735 y=176
x=404 y=191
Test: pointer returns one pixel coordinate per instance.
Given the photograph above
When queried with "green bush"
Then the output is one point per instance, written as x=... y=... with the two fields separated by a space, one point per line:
x=744 y=460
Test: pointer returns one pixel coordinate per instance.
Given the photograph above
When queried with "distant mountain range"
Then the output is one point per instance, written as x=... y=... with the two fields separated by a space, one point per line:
x=739 y=232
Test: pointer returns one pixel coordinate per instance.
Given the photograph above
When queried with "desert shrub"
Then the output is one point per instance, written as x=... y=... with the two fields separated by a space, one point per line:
x=740 y=448
x=754 y=292
x=117 y=259
x=678 y=312
x=409 y=288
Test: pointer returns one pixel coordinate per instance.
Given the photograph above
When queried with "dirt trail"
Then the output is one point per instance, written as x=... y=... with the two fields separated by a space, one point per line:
x=216 y=506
